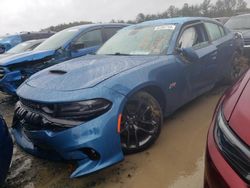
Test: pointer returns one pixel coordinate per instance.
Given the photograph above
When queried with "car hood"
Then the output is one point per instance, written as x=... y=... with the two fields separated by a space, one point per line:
x=2 y=56
x=240 y=118
x=5 y=44
x=25 y=57
x=85 y=72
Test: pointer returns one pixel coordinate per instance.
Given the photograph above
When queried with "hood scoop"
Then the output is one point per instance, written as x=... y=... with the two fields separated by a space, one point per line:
x=58 y=71
x=85 y=72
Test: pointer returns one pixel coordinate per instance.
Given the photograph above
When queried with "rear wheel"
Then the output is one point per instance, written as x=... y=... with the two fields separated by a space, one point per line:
x=141 y=123
x=236 y=69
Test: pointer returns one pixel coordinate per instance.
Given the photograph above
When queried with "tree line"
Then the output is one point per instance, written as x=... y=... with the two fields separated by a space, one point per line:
x=65 y=26
x=221 y=8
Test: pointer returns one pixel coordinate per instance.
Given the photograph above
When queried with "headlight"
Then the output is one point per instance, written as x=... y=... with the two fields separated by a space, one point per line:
x=81 y=111
x=233 y=149
x=69 y=114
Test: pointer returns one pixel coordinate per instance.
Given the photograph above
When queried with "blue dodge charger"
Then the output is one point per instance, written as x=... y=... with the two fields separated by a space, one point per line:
x=93 y=110
x=64 y=45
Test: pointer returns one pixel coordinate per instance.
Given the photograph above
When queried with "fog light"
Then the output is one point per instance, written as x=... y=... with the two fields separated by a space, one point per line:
x=91 y=153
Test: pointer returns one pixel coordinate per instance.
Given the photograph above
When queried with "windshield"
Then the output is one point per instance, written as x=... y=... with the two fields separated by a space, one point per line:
x=4 y=39
x=139 y=40
x=57 y=40
x=25 y=46
x=239 y=22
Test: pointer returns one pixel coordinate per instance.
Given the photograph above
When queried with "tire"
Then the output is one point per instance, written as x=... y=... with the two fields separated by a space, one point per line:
x=141 y=123
x=235 y=70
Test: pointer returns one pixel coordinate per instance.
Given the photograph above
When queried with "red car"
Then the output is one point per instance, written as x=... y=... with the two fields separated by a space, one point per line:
x=227 y=161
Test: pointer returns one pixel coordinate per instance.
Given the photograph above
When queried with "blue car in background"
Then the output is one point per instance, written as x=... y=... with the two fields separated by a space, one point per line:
x=9 y=41
x=22 y=47
x=6 y=150
x=93 y=109
x=67 y=44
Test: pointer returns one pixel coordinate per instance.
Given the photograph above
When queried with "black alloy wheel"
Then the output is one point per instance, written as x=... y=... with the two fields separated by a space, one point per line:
x=141 y=123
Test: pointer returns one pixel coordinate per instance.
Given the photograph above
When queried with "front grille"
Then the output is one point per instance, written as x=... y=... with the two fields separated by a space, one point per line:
x=2 y=72
x=247 y=41
x=32 y=120
x=31 y=104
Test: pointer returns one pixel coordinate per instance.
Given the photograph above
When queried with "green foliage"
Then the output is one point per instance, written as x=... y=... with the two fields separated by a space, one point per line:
x=65 y=26
x=221 y=8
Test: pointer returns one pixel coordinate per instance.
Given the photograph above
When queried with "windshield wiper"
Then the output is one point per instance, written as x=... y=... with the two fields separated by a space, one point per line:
x=119 y=54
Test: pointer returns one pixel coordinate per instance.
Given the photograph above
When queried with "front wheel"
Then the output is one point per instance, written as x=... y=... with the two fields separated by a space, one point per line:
x=141 y=123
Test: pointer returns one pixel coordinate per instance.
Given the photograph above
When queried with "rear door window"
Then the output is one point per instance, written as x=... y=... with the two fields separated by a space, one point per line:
x=214 y=31
x=193 y=36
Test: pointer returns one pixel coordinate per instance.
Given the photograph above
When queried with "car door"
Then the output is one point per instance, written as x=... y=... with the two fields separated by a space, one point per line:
x=224 y=43
x=199 y=76
x=86 y=43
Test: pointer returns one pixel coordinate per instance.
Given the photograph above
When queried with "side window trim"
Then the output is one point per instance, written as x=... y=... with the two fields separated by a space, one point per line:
x=222 y=29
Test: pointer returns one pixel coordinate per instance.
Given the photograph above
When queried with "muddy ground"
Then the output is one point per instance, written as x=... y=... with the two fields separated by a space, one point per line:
x=176 y=160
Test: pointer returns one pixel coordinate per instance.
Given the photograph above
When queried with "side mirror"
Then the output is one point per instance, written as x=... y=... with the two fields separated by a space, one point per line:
x=2 y=50
x=76 y=47
x=189 y=54
x=238 y=35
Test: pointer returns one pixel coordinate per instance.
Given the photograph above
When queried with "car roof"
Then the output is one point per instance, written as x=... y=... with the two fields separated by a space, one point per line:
x=241 y=15
x=35 y=41
x=178 y=20
x=86 y=26
x=9 y=35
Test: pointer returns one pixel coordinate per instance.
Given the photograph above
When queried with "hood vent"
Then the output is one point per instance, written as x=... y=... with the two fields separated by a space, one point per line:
x=58 y=71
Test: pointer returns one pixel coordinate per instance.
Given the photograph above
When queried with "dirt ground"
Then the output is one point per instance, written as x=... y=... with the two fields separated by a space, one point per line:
x=176 y=160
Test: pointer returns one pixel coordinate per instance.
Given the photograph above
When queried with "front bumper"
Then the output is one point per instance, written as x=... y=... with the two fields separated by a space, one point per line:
x=99 y=135
x=218 y=173
x=10 y=81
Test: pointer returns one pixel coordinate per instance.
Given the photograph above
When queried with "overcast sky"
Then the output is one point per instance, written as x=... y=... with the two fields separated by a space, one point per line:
x=32 y=15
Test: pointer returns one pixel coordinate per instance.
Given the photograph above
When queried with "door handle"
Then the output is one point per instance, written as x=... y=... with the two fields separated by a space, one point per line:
x=214 y=55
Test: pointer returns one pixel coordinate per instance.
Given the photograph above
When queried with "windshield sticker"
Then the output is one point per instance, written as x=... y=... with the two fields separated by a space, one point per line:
x=24 y=44
x=164 y=27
